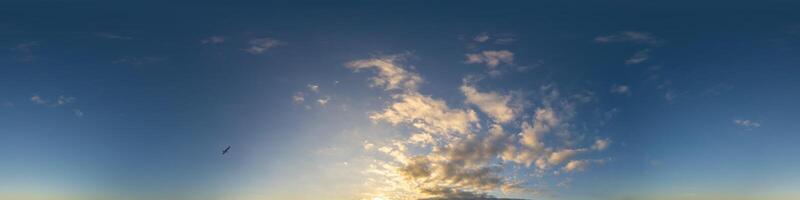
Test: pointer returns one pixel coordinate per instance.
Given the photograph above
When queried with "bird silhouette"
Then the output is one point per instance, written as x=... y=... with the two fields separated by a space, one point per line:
x=226 y=150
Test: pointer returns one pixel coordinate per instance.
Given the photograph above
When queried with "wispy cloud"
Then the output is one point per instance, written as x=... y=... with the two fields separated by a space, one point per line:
x=629 y=36
x=493 y=38
x=483 y=37
x=25 y=50
x=260 y=45
x=746 y=123
x=113 y=36
x=621 y=89
x=298 y=98
x=213 y=40
x=639 y=57
x=135 y=60
x=60 y=101
x=633 y=37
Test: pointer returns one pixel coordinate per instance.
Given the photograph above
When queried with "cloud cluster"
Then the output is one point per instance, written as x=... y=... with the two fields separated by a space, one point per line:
x=313 y=92
x=449 y=154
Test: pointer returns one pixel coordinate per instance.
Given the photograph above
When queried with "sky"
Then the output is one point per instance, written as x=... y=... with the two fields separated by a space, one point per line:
x=400 y=100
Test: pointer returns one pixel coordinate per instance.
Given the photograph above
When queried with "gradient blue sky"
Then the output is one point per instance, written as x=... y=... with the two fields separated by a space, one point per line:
x=136 y=100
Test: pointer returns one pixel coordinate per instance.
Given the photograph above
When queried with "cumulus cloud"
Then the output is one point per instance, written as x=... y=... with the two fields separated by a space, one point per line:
x=392 y=75
x=426 y=113
x=621 y=89
x=260 y=45
x=629 y=36
x=491 y=59
x=497 y=106
x=213 y=40
x=746 y=123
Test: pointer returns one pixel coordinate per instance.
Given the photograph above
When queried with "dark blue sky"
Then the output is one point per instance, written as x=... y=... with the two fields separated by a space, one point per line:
x=134 y=100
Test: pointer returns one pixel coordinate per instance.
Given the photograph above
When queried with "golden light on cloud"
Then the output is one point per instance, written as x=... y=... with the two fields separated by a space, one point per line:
x=451 y=153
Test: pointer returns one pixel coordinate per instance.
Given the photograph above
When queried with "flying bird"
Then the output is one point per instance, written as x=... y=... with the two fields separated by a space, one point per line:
x=226 y=150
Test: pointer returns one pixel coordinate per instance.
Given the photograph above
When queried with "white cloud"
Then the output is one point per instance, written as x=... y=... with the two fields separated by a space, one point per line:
x=483 y=37
x=639 y=57
x=213 y=40
x=491 y=59
x=298 y=98
x=60 y=101
x=749 y=124
x=493 y=104
x=601 y=144
x=323 y=101
x=313 y=88
x=260 y=45
x=38 y=100
x=628 y=36
x=621 y=89
x=392 y=74
x=77 y=112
